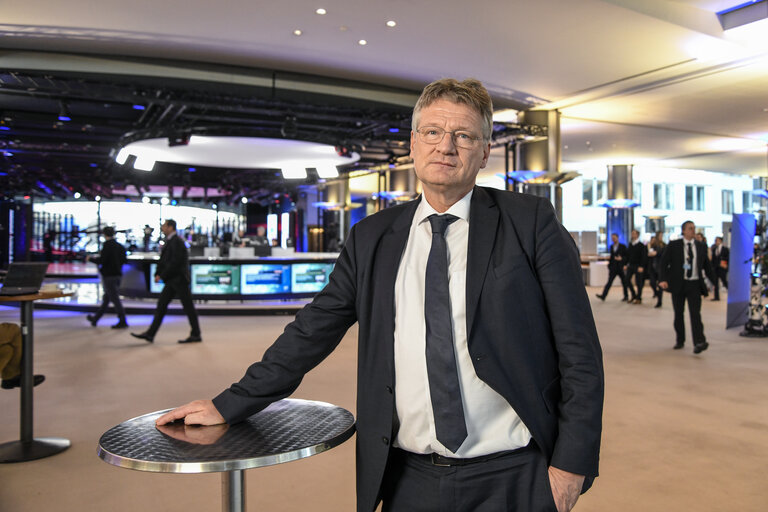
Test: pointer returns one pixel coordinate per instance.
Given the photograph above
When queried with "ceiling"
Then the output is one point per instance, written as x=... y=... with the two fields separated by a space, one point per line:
x=655 y=82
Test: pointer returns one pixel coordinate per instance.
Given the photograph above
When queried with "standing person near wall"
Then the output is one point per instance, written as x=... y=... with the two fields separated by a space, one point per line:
x=655 y=250
x=616 y=267
x=173 y=269
x=637 y=263
x=720 y=255
x=110 y=262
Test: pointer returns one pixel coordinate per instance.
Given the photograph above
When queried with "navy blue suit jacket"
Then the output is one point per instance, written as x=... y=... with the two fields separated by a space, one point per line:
x=530 y=329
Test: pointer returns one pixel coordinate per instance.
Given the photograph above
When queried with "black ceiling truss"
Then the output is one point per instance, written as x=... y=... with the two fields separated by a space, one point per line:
x=48 y=157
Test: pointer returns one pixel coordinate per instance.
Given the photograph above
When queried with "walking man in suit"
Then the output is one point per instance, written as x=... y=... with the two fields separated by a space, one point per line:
x=173 y=270
x=683 y=266
x=720 y=255
x=637 y=262
x=110 y=262
x=480 y=380
x=616 y=268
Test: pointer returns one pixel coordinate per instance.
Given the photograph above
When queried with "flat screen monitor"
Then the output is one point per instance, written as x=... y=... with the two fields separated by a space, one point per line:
x=153 y=286
x=272 y=278
x=215 y=279
x=309 y=277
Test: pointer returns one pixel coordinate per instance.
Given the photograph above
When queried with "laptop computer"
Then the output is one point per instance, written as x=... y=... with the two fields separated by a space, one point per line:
x=23 y=278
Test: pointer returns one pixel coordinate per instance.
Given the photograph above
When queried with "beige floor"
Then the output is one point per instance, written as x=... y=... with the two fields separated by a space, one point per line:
x=682 y=432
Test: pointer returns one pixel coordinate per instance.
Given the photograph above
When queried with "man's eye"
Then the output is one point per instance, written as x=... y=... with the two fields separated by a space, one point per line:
x=463 y=135
x=431 y=131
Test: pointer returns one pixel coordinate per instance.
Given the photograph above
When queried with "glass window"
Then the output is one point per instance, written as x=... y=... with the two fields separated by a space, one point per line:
x=746 y=201
x=694 y=197
x=587 y=192
x=637 y=190
x=662 y=196
x=601 y=191
x=727 y=201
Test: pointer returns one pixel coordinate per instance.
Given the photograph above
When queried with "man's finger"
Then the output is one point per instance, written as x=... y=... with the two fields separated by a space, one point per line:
x=176 y=414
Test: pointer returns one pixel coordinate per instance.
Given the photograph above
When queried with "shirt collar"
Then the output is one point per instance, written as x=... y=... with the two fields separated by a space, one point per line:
x=460 y=208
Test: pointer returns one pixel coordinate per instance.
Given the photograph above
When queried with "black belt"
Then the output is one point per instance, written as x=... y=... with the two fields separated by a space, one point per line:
x=435 y=459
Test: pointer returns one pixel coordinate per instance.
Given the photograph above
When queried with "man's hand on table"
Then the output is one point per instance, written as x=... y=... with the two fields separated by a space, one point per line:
x=566 y=488
x=195 y=434
x=199 y=412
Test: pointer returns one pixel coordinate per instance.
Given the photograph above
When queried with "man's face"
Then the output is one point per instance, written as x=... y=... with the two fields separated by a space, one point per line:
x=689 y=231
x=634 y=236
x=166 y=229
x=443 y=167
x=718 y=241
x=615 y=238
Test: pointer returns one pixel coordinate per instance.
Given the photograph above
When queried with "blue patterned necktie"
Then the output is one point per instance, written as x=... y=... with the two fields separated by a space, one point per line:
x=450 y=427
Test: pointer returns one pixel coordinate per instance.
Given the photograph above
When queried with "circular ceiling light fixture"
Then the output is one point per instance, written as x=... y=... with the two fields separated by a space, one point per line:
x=321 y=11
x=237 y=153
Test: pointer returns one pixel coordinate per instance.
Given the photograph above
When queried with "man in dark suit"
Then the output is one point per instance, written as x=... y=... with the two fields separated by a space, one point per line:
x=173 y=270
x=522 y=431
x=616 y=267
x=637 y=262
x=110 y=262
x=720 y=255
x=683 y=266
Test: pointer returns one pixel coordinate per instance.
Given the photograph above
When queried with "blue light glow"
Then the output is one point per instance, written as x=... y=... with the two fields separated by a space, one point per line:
x=619 y=203
x=138 y=107
x=394 y=130
x=6 y=128
x=65 y=118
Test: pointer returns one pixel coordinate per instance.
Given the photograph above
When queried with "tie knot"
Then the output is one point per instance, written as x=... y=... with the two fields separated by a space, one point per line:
x=440 y=223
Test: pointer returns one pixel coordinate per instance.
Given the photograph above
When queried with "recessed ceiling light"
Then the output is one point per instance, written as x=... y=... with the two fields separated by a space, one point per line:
x=391 y=23
x=362 y=42
x=342 y=28
x=320 y=11
x=297 y=32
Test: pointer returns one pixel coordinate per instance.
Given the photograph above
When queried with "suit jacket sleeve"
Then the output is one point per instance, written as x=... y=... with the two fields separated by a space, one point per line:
x=305 y=342
x=576 y=342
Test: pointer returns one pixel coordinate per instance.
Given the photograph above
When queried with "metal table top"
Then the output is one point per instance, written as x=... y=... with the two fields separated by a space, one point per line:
x=287 y=430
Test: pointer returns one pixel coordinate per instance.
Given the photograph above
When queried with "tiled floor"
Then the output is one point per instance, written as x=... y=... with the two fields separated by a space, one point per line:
x=682 y=431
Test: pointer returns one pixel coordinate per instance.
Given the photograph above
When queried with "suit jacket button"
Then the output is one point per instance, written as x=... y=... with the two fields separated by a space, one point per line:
x=385 y=440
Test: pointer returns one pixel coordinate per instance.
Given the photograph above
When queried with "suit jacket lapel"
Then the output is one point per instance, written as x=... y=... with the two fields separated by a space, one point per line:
x=483 y=220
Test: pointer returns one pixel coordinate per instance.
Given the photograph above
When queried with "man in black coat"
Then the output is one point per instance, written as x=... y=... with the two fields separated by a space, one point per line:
x=173 y=270
x=637 y=263
x=521 y=337
x=720 y=255
x=110 y=262
x=683 y=267
x=616 y=265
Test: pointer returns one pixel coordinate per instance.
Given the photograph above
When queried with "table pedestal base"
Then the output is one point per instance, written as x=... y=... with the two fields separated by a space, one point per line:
x=233 y=491
x=39 y=448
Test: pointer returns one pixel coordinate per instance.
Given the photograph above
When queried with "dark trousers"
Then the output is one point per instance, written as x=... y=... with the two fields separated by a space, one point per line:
x=515 y=482
x=691 y=292
x=176 y=287
x=653 y=280
x=611 y=276
x=721 y=274
x=632 y=270
x=110 y=285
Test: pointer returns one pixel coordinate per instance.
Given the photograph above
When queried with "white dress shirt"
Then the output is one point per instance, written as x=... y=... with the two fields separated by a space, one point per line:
x=695 y=273
x=492 y=424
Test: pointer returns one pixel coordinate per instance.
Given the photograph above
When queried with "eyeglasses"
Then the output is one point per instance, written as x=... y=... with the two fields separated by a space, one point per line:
x=461 y=138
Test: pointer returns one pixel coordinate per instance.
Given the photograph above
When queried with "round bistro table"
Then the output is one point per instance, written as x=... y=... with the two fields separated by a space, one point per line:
x=287 y=430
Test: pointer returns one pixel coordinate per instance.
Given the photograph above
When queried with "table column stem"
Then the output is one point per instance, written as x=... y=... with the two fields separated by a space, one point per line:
x=27 y=371
x=233 y=491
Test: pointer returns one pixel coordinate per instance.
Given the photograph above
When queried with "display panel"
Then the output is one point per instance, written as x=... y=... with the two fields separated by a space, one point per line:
x=265 y=279
x=309 y=277
x=153 y=286
x=215 y=279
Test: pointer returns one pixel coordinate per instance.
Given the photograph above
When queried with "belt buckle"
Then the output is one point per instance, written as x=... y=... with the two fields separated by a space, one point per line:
x=436 y=460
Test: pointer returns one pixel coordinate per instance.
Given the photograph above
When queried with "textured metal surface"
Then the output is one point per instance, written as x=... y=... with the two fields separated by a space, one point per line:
x=287 y=430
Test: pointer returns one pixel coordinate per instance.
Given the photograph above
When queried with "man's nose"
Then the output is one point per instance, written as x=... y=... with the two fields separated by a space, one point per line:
x=446 y=145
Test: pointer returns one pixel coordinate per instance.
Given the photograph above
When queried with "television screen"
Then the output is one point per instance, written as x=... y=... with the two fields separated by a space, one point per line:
x=153 y=286
x=215 y=279
x=309 y=277
x=265 y=279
